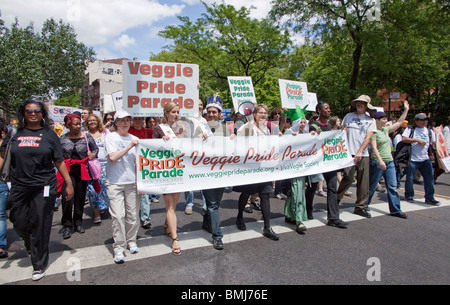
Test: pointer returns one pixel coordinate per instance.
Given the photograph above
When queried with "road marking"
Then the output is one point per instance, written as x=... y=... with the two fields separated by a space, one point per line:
x=13 y=270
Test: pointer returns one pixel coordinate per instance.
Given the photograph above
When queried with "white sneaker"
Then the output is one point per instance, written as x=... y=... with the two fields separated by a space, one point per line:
x=119 y=258
x=133 y=248
x=188 y=210
x=380 y=189
x=37 y=275
x=321 y=193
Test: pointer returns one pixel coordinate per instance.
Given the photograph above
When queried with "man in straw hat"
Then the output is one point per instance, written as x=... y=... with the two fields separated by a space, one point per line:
x=360 y=128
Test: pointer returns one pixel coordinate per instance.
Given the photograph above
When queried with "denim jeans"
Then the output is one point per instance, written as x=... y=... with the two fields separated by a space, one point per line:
x=426 y=169
x=390 y=177
x=213 y=198
x=4 y=192
x=144 y=212
x=189 y=198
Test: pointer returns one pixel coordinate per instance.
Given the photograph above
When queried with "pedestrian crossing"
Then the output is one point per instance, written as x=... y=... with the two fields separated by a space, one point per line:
x=13 y=270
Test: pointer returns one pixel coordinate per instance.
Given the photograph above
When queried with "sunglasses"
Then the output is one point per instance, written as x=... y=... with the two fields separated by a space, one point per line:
x=31 y=111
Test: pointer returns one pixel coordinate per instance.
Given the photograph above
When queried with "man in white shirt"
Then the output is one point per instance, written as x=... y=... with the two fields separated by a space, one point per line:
x=360 y=128
x=420 y=140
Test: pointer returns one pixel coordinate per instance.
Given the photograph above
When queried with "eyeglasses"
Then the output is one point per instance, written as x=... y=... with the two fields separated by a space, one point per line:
x=31 y=111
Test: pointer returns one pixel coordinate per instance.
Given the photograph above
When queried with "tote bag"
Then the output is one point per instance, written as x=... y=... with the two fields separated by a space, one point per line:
x=95 y=167
x=4 y=172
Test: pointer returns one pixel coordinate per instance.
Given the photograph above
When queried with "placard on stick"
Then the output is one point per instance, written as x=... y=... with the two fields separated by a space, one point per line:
x=148 y=86
x=241 y=88
x=296 y=93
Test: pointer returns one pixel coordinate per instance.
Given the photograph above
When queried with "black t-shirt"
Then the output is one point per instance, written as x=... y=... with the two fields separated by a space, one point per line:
x=323 y=127
x=33 y=153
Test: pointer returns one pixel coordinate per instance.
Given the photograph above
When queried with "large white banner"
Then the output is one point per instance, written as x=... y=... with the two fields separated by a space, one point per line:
x=148 y=86
x=193 y=164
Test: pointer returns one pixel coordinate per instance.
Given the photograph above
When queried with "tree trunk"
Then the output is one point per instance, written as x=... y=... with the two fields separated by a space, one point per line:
x=355 y=72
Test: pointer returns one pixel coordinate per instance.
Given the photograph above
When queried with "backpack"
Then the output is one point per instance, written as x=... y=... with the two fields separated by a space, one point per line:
x=402 y=154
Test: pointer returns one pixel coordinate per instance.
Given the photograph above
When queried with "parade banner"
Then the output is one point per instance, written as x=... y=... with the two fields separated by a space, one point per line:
x=191 y=164
x=241 y=89
x=148 y=86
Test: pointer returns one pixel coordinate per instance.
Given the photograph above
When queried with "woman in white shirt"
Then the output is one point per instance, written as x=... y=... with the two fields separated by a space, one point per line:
x=98 y=201
x=171 y=127
x=121 y=184
x=446 y=133
x=258 y=127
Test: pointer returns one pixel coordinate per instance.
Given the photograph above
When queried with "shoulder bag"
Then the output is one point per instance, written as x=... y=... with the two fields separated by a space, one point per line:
x=4 y=172
x=95 y=168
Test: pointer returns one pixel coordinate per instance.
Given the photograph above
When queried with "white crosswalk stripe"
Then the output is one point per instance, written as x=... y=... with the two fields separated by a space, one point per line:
x=62 y=262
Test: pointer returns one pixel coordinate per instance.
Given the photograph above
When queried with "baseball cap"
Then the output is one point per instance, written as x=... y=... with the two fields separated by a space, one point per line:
x=379 y=115
x=421 y=116
x=121 y=114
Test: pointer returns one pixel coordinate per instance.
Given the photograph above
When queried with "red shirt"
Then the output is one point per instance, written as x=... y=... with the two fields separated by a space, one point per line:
x=143 y=133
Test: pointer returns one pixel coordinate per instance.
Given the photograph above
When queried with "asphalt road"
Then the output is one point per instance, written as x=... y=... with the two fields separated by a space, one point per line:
x=381 y=250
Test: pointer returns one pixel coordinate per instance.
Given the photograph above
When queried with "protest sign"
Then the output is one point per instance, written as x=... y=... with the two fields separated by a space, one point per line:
x=293 y=93
x=117 y=98
x=57 y=113
x=241 y=89
x=189 y=164
x=312 y=101
x=441 y=150
x=148 y=86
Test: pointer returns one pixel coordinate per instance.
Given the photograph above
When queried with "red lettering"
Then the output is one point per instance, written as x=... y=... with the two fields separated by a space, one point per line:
x=134 y=67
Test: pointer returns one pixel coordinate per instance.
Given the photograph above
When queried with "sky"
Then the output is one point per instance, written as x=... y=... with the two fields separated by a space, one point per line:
x=117 y=28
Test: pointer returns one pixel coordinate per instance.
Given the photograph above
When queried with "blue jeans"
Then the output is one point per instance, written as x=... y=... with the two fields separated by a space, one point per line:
x=426 y=169
x=4 y=192
x=144 y=213
x=390 y=177
x=213 y=198
x=189 y=198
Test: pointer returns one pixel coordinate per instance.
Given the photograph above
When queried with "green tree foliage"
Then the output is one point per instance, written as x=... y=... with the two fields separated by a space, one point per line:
x=365 y=46
x=46 y=64
x=410 y=51
x=227 y=42
x=325 y=18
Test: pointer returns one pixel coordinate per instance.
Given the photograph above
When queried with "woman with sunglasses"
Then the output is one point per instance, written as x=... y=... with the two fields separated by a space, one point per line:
x=108 y=122
x=35 y=151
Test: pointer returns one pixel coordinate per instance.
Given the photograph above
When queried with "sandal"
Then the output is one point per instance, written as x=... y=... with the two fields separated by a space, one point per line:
x=175 y=251
x=97 y=220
